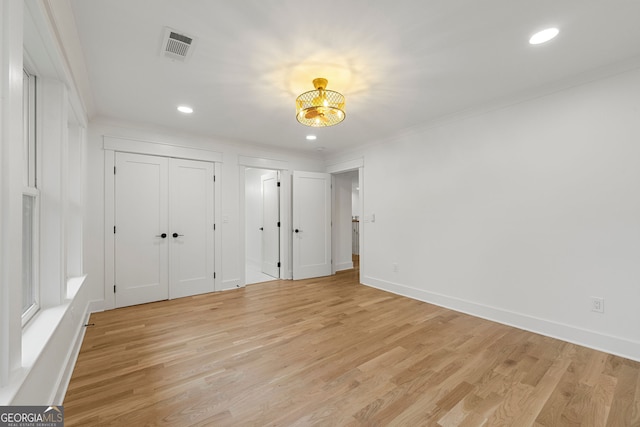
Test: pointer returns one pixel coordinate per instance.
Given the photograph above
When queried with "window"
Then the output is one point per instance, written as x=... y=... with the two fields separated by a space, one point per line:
x=30 y=204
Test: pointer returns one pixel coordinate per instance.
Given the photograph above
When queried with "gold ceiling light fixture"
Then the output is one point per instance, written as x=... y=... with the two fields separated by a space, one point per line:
x=320 y=107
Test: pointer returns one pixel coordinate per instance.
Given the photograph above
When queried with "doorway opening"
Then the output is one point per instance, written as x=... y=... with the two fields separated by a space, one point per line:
x=317 y=235
x=346 y=221
x=262 y=225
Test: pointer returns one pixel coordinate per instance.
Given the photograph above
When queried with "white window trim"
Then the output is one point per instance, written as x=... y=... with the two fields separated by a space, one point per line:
x=35 y=272
x=29 y=147
x=30 y=186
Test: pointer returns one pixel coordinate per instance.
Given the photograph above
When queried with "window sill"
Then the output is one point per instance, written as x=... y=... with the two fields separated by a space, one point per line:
x=35 y=337
x=39 y=330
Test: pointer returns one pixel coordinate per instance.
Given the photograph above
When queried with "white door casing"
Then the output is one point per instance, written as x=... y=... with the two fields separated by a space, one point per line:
x=311 y=208
x=191 y=227
x=141 y=217
x=270 y=224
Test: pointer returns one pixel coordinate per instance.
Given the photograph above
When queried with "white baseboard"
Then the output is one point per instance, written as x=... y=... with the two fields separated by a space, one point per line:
x=587 y=338
x=344 y=266
x=231 y=284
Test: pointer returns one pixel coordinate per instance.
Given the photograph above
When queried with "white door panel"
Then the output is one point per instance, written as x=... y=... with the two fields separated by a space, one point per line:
x=270 y=221
x=311 y=224
x=140 y=218
x=191 y=227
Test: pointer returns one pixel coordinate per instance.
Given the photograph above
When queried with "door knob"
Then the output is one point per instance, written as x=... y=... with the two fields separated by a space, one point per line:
x=177 y=235
x=261 y=228
x=296 y=230
x=163 y=235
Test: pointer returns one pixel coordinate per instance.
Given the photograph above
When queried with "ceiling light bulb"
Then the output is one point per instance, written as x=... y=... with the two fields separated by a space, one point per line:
x=543 y=36
x=311 y=137
x=185 y=109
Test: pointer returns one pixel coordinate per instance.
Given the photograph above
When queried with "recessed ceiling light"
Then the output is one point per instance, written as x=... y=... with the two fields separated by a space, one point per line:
x=311 y=137
x=543 y=36
x=185 y=109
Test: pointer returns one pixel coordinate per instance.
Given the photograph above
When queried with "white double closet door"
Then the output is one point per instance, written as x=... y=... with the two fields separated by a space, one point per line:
x=164 y=228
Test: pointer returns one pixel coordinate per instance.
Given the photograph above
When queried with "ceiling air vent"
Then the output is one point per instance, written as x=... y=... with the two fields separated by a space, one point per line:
x=176 y=46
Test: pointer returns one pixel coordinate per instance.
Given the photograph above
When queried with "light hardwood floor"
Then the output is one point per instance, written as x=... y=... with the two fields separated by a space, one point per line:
x=332 y=352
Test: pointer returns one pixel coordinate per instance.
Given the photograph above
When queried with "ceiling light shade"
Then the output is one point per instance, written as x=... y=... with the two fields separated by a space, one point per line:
x=544 y=36
x=320 y=107
x=185 y=109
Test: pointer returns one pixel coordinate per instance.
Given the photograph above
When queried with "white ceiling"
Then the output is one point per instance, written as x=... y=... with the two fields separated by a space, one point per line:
x=399 y=63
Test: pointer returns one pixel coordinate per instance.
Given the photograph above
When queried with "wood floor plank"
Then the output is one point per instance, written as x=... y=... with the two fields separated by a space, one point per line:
x=542 y=388
x=332 y=352
x=551 y=413
x=622 y=407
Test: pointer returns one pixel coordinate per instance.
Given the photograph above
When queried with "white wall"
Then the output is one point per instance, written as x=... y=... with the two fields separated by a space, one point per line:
x=232 y=225
x=74 y=219
x=519 y=215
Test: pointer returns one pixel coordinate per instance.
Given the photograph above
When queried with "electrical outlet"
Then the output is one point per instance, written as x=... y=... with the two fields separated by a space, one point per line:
x=597 y=304
x=395 y=267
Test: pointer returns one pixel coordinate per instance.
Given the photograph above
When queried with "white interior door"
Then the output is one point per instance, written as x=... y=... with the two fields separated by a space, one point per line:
x=191 y=222
x=312 y=224
x=141 y=218
x=270 y=224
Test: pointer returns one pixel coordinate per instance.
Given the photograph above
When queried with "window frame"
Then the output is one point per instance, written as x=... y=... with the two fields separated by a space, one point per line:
x=35 y=256
x=30 y=189
x=29 y=176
